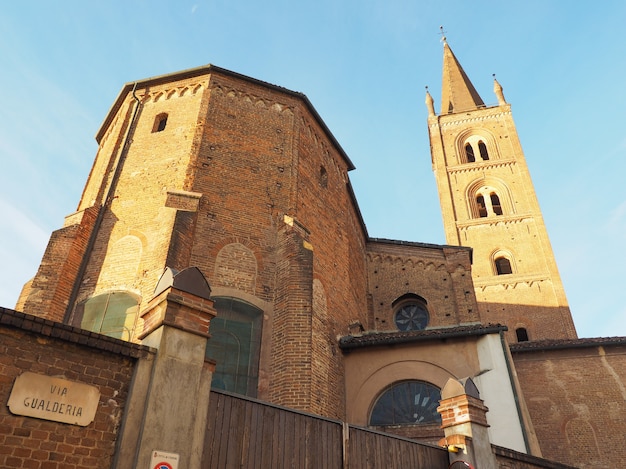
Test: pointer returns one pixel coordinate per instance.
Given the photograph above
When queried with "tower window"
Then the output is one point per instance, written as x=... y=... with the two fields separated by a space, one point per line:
x=482 y=208
x=160 y=121
x=469 y=153
x=482 y=148
x=495 y=203
x=503 y=266
x=522 y=334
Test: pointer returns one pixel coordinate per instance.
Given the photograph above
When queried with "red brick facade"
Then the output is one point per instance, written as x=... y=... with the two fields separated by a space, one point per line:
x=206 y=168
x=576 y=397
x=43 y=347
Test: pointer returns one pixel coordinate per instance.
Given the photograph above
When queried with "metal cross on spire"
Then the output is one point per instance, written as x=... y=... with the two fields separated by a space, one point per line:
x=443 y=34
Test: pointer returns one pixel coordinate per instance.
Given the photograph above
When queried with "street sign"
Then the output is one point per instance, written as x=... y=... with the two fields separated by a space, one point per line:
x=163 y=460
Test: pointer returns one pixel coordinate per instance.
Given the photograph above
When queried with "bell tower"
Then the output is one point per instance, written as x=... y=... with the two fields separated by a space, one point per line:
x=488 y=203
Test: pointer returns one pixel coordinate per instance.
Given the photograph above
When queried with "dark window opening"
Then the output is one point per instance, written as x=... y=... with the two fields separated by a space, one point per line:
x=482 y=148
x=503 y=266
x=495 y=203
x=235 y=345
x=407 y=403
x=160 y=122
x=482 y=208
x=522 y=334
x=323 y=177
x=469 y=153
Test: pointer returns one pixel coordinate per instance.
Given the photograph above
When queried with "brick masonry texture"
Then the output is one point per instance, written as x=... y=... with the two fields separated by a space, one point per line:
x=576 y=399
x=39 y=346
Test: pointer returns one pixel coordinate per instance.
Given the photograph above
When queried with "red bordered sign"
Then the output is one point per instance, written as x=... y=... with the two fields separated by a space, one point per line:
x=163 y=465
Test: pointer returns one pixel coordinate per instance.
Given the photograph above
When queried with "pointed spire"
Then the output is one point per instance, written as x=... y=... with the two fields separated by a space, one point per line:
x=457 y=92
x=430 y=104
x=497 y=89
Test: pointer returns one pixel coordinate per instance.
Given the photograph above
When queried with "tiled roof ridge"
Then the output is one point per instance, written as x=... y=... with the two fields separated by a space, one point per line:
x=554 y=344
x=374 y=338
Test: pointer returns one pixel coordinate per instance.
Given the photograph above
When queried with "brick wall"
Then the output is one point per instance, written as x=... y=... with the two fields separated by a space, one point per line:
x=43 y=347
x=442 y=276
x=50 y=290
x=575 y=392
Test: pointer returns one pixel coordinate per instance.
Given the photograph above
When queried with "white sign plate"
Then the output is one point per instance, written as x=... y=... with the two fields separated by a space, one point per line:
x=163 y=460
x=57 y=399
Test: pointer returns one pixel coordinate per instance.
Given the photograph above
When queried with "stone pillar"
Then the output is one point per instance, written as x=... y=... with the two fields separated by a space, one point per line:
x=176 y=396
x=464 y=422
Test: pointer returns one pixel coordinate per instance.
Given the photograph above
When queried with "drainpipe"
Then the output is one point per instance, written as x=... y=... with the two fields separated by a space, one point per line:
x=107 y=201
x=518 y=407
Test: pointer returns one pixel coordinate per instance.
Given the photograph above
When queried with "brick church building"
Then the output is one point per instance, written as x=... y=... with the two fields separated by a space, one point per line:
x=219 y=216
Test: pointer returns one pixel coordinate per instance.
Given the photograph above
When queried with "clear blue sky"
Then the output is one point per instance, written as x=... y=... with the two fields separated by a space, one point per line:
x=363 y=64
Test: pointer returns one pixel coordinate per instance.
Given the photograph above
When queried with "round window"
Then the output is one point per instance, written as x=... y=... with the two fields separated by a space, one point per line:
x=411 y=317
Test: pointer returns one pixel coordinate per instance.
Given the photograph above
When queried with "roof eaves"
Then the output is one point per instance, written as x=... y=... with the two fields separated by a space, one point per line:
x=205 y=70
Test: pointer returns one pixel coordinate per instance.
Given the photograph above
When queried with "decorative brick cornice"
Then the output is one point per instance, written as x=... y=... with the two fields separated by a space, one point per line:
x=509 y=281
x=494 y=221
x=479 y=167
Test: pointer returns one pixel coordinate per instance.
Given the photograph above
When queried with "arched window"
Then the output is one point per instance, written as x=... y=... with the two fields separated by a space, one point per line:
x=495 y=203
x=482 y=148
x=235 y=345
x=323 y=177
x=503 y=266
x=522 y=334
x=410 y=312
x=469 y=153
x=160 y=121
x=406 y=403
x=482 y=208
x=113 y=314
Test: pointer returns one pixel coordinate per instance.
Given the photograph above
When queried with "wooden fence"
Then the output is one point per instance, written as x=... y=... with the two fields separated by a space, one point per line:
x=246 y=433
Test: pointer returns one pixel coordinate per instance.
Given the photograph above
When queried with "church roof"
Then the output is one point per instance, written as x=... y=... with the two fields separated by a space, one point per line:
x=370 y=339
x=556 y=344
x=457 y=92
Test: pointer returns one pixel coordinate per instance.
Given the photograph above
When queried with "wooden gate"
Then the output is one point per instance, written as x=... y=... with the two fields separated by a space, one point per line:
x=246 y=433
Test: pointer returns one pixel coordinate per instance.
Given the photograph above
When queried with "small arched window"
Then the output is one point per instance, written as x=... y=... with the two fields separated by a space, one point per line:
x=522 y=334
x=482 y=148
x=469 y=153
x=323 y=177
x=406 y=403
x=503 y=266
x=495 y=203
x=482 y=208
x=160 y=122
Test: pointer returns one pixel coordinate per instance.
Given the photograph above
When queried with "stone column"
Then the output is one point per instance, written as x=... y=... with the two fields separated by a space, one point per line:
x=464 y=422
x=176 y=396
